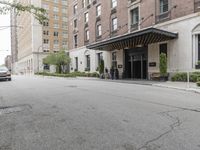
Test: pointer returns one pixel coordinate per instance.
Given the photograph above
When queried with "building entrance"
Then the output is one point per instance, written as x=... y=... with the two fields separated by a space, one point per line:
x=136 y=63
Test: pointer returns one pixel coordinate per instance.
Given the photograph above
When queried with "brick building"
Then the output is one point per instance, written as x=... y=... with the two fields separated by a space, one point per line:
x=131 y=34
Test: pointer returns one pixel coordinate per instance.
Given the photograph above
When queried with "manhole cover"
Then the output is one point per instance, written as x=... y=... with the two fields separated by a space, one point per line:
x=12 y=109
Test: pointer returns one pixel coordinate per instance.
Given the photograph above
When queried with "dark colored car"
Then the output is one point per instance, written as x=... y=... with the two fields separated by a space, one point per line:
x=5 y=74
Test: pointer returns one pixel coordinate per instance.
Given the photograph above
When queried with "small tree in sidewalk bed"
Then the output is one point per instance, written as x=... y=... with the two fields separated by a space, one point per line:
x=60 y=60
x=198 y=81
x=163 y=66
x=101 y=68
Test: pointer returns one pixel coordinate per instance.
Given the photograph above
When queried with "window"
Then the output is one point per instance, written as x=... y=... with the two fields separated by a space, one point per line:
x=46 y=67
x=64 y=2
x=99 y=31
x=114 y=3
x=55 y=1
x=64 y=18
x=114 y=59
x=45 y=32
x=75 y=9
x=64 y=25
x=75 y=41
x=163 y=48
x=114 y=24
x=64 y=10
x=76 y=63
x=56 y=25
x=55 y=9
x=98 y=10
x=55 y=33
x=164 y=6
x=46 y=24
x=64 y=42
x=89 y=2
x=75 y=23
x=56 y=17
x=46 y=41
x=88 y=62
x=134 y=16
x=83 y=3
x=86 y=17
x=64 y=34
x=55 y=42
x=87 y=35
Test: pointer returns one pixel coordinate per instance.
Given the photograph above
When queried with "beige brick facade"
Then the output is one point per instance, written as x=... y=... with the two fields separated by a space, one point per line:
x=36 y=41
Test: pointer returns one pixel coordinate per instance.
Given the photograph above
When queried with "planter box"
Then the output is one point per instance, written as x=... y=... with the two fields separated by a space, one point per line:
x=197 y=66
x=163 y=78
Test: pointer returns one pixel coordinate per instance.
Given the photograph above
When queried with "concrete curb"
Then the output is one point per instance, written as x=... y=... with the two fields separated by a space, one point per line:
x=178 y=88
x=126 y=82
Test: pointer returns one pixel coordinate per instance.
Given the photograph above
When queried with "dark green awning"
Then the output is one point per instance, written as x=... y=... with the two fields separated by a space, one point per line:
x=130 y=40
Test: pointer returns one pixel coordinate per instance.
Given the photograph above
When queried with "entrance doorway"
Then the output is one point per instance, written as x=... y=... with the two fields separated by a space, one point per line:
x=136 y=63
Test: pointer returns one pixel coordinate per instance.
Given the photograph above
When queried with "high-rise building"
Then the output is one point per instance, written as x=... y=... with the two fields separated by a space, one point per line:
x=36 y=41
x=14 y=45
x=130 y=35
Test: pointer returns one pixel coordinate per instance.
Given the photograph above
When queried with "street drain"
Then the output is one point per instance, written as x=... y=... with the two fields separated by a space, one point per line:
x=13 y=109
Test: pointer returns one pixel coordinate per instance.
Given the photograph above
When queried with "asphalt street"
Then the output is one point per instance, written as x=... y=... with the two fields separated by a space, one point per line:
x=39 y=113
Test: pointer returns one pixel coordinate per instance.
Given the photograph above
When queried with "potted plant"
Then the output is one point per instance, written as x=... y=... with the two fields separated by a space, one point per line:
x=163 y=67
x=198 y=81
x=101 y=69
x=198 y=65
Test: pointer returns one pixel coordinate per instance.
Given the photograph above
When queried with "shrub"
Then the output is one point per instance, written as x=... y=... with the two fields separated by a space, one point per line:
x=163 y=64
x=179 y=77
x=198 y=83
x=73 y=74
x=101 y=67
x=194 y=77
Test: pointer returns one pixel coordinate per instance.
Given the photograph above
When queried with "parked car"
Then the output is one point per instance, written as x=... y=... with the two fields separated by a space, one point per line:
x=5 y=74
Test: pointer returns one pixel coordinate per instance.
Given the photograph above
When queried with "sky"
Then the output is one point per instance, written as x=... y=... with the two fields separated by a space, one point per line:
x=5 y=46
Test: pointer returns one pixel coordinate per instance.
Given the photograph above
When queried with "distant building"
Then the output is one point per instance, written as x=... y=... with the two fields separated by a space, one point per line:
x=14 y=45
x=130 y=35
x=8 y=61
x=36 y=41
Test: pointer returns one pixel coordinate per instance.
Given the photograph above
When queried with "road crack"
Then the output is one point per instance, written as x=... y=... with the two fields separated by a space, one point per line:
x=176 y=122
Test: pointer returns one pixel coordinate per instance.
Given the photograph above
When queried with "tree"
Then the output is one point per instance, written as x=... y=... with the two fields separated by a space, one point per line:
x=101 y=67
x=163 y=65
x=38 y=13
x=60 y=59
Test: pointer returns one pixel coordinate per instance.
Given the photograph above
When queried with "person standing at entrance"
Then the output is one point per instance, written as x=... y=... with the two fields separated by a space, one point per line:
x=112 y=72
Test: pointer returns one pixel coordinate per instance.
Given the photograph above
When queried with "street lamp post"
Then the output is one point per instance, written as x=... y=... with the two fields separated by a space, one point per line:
x=38 y=66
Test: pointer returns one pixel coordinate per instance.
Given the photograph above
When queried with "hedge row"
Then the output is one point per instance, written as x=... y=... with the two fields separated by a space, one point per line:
x=194 y=77
x=73 y=74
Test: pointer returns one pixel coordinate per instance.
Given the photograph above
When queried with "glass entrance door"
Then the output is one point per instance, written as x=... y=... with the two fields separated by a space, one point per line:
x=137 y=64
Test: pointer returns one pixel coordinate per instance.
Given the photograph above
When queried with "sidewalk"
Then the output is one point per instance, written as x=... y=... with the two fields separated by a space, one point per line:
x=169 y=84
x=179 y=85
x=173 y=85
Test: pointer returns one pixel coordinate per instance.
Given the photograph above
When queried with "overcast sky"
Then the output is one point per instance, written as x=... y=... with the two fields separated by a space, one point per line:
x=4 y=37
